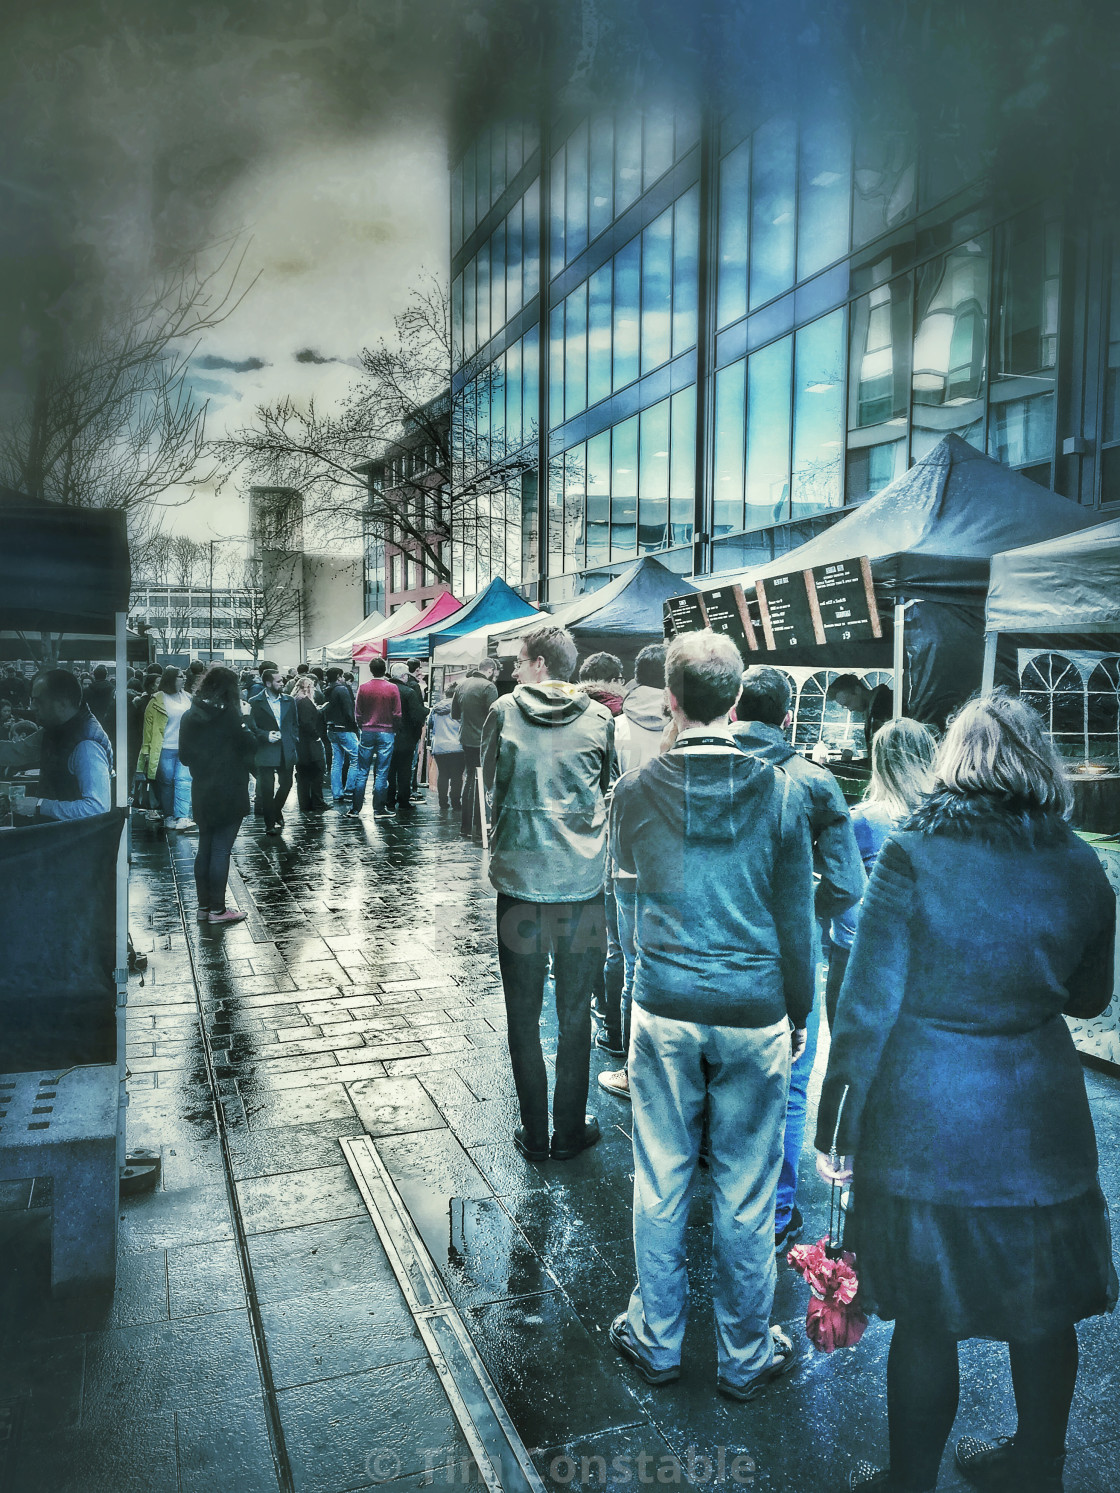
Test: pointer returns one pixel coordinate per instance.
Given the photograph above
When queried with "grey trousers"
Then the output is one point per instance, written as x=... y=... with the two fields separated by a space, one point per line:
x=743 y=1073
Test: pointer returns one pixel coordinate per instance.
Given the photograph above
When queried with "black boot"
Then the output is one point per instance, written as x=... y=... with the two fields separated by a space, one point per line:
x=996 y=1466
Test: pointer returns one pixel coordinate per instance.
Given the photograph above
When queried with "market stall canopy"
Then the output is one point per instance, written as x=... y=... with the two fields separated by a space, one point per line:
x=645 y=585
x=444 y=606
x=498 y=603
x=375 y=643
x=62 y=569
x=341 y=650
x=933 y=530
x=1071 y=584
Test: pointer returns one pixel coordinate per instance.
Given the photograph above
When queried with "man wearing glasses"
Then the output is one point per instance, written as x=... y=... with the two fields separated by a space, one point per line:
x=547 y=750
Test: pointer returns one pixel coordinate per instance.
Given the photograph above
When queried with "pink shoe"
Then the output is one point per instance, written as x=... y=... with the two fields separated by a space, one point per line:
x=231 y=915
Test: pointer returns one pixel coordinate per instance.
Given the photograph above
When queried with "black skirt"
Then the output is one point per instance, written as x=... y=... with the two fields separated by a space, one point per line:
x=1003 y=1273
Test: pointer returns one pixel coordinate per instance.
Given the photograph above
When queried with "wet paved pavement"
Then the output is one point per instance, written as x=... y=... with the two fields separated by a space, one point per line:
x=258 y=1338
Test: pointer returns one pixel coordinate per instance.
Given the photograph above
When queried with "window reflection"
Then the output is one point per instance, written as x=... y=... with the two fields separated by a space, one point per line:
x=498 y=410
x=1025 y=344
x=773 y=208
x=556 y=365
x=624 y=489
x=657 y=144
x=950 y=346
x=657 y=291
x=556 y=215
x=498 y=279
x=653 y=477
x=530 y=384
x=627 y=278
x=575 y=229
x=531 y=218
x=598 y=499
x=1112 y=368
x=825 y=195
x=769 y=376
x=513 y=398
x=818 y=417
x=734 y=195
x=884 y=181
x=878 y=387
x=627 y=159
x=575 y=352
x=682 y=474
x=482 y=274
x=515 y=256
x=686 y=250
x=530 y=552
x=574 y=491
x=599 y=335
x=556 y=515
x=728 y=455
x=601 y=175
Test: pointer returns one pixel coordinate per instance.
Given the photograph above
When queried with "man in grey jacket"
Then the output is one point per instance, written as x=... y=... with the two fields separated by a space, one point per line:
x=473 y=700
x=546 y=760
x=764 y=719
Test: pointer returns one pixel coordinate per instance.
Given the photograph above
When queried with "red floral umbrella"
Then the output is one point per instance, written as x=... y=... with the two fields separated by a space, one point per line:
x=834 y=1319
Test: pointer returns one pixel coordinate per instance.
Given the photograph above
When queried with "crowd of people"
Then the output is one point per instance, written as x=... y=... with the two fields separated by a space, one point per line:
x=687 y=881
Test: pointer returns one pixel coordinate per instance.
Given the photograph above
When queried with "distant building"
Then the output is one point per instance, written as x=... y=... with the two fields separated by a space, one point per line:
x=180 y=619
x=309 y=596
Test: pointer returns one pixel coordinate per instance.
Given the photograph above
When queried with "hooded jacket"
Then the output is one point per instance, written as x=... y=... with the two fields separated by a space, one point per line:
x=546 y=759
x=605 y=696
x=218 y=744
x=836 y=857
x=720 y=846
x=638 y=731
x=472 y=702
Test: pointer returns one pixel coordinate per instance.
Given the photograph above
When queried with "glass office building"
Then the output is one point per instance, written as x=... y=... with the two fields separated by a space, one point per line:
x=705 y=338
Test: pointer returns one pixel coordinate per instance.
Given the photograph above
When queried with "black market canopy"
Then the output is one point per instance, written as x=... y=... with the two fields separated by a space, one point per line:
x=930 y=536
x=1065 y=585
x=62 y=569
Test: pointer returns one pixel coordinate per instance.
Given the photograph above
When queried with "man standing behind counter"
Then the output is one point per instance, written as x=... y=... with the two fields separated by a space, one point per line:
x=71 y=750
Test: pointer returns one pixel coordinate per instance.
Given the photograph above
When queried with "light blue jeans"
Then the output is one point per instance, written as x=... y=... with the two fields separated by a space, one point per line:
x=344 y=761
x=742 y=1073
x=173 y=785
x=375 y=745
x=799 y=1077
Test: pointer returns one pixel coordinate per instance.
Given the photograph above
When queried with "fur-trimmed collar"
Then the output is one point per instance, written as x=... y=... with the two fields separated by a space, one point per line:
x=993 y=817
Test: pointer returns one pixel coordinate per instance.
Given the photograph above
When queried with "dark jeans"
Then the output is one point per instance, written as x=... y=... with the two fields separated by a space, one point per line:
x=400 y=772
x=610 y=976
x=309 y=786
x=471 y=822
x=575 y=935
x=838 y=957
x=923 y=1388
x=273 y=786
x=449 y=778
x=211 y=863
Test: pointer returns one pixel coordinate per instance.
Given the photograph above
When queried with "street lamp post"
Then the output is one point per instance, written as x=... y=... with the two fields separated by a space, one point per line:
x=211 y=601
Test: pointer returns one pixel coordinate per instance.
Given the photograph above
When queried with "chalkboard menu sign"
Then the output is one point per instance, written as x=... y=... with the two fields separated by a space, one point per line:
x=787 y=614
x=727 y=612
x=684 y=614
x=843 y=600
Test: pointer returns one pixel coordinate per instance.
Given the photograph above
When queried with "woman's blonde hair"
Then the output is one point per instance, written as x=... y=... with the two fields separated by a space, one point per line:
x=304 y=685
x=902 y=754
x=998 y=746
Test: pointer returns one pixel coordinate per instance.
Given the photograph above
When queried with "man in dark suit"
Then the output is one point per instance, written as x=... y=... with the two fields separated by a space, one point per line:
x=273 y=716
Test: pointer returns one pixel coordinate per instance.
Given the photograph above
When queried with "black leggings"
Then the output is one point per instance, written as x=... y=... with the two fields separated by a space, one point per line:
x=211 y=863
x=923 y=1387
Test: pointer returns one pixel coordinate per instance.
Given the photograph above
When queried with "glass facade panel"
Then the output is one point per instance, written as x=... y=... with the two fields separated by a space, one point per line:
x=497 y=163
x=515 y=155
x=599 y=335
x=530 y=384
x=686 y=252
x=885 y=181
x=734 y=199
x=601 y=179
x=513 y=399
x=482 y=419
x=575 y=230
x=512 y=567
x=470 y=216
x=530 y=513
x=627 y=285
x=457 y=353
x=514 y=258
x=950 y=347
x=556 y=515
x=825 y=195
x=575 y=352
x=457 y=208
x=624 y=490
x=556 y=216
x=682 y=472
x=1025 y=342
x=470 y=315
x=657 y=144
x=482 y=273
x=818 y=417
x=657 y=291
x=482 y=176
x=575 y=482
x=531 y=237
x=773 y=210
x=599 y=498
x=627 y=159
x=556 y=366
x=728 y=456
x=653 y=477
x=498 y=409
x=878 y=387
x=498 y=279
x=1111 y=424
x=769 y=375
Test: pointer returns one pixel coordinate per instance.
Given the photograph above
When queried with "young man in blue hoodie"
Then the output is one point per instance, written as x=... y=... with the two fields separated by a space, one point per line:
x=720 y=847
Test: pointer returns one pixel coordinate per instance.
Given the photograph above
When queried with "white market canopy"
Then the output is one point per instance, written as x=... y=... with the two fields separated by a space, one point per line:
x=339 y=652
x=396 y=622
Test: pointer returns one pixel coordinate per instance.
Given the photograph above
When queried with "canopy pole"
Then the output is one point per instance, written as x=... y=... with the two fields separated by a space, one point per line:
x=122 y=765
x=988 y=679
x=899 y=656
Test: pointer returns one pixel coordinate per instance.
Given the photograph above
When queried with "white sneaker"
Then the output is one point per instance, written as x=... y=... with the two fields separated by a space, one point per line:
x=171 y=824
x=188 y=826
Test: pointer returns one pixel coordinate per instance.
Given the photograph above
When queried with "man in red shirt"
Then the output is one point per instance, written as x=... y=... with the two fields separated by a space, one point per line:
x=377 y=712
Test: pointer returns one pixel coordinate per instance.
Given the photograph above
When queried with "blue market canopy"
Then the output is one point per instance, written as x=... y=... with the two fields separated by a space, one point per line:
x=498 y=603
